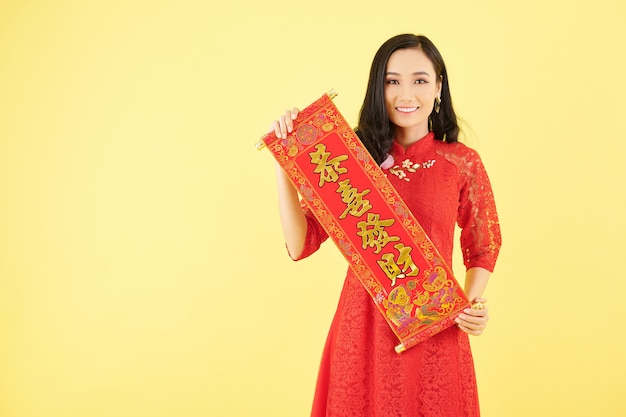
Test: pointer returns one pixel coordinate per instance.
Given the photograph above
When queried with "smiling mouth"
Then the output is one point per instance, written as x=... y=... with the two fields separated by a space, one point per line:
x=406 y=109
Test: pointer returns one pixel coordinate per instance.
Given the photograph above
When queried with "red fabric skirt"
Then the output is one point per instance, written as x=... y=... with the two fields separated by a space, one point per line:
x=362 y=375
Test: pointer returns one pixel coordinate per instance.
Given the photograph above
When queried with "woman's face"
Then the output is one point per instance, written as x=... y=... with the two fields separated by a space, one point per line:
x=411 y=86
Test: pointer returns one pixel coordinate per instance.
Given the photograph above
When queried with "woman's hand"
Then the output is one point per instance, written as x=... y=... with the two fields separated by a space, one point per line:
x=284 y=125
x=474 y=320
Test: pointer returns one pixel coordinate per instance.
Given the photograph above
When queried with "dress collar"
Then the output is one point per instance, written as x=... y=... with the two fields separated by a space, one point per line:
x=417 y=146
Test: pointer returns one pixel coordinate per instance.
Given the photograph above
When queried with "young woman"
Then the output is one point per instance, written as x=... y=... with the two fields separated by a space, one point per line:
x=408 y=124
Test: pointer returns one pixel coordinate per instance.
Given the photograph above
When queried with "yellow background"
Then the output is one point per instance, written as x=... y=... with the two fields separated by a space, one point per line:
x=142 y=269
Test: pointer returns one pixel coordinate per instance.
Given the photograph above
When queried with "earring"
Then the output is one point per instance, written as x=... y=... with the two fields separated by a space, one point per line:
x=430 y=124
x=437 y=104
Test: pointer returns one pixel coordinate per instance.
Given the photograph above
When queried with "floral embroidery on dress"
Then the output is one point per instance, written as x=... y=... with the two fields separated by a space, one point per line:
x=409 y=166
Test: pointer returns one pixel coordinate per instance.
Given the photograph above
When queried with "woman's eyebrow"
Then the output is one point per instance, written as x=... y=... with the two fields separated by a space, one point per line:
x=415 y=73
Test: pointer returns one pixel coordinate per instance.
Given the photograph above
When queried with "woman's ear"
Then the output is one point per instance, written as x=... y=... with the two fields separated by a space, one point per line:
x=439 y=85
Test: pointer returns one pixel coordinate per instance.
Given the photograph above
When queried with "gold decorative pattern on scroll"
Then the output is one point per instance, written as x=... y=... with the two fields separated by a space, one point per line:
x=436 y=279
x=332 y=93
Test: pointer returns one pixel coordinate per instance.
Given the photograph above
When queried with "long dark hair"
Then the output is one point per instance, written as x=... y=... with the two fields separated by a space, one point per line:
x=374 y=129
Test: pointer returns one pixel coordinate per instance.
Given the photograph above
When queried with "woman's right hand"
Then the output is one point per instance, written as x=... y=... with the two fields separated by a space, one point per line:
x=284 y=125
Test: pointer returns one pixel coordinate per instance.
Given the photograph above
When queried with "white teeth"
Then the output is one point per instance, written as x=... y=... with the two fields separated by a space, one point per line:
x=406 y=109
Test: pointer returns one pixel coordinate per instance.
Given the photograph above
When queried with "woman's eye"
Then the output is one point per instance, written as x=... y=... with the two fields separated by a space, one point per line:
x=392 y=81
x=420 y=81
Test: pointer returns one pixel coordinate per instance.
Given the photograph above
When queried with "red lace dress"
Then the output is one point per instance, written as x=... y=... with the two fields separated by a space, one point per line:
x=360 y=373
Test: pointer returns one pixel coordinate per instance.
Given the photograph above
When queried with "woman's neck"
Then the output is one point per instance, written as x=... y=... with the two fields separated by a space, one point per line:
x=406 y=137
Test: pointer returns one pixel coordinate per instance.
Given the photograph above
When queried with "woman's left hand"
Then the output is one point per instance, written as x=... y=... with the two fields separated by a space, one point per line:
x=474 y=321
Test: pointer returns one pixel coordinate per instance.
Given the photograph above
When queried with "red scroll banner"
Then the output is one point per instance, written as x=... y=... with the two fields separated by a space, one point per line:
x=360 y=210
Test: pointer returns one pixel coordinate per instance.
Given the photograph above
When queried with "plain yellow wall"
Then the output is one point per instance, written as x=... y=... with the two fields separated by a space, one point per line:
x=142 y=269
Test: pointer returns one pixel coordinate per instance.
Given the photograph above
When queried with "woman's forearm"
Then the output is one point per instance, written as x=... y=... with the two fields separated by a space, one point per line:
x=474 y=320
x=292 y=218
x=476 y=280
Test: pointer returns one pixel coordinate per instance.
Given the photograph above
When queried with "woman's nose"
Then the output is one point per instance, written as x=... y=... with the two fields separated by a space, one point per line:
x=407 y=92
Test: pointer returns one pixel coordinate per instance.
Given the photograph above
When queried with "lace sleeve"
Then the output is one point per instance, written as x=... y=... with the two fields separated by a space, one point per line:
x=477 y=216
x=315 y=234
